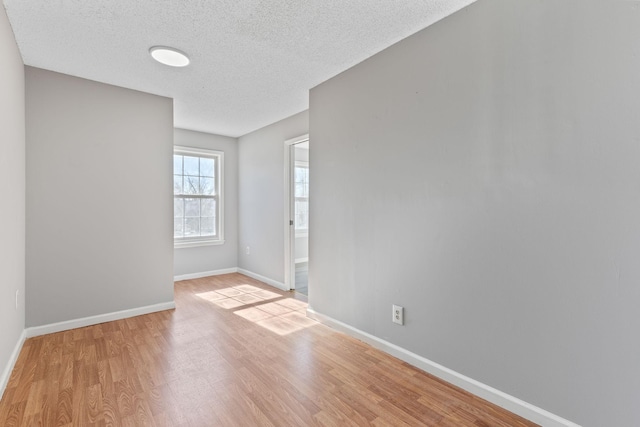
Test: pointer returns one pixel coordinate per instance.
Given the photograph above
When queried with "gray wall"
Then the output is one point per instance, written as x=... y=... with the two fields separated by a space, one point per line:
x=301 y=250
x=485 y=174
x=261 y=195
x=99 y=198
x=12 y=188
x=209 y=258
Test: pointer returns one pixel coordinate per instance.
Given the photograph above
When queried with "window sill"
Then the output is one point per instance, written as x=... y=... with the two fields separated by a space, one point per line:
x=302 y=233
x=195 y=243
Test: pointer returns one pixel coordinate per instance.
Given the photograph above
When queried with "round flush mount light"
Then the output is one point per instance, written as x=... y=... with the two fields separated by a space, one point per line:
x=169 y=56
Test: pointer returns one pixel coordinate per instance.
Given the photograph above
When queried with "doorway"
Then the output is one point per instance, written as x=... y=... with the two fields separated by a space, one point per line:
x=297 y=220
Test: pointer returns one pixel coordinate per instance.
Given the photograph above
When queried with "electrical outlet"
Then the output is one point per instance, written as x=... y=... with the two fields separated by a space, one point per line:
x=398 y=315
x=247 y=250
x=17 y=293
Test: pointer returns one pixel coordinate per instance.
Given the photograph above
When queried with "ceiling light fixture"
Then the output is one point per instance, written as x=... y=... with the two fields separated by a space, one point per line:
x=169 y=56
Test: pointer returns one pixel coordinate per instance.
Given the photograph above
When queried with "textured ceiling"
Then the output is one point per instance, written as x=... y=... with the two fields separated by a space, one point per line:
x=252 y=61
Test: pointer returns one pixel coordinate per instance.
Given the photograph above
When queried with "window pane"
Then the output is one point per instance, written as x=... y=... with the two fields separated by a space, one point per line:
x=191 y=207
x=191 y=227
x=302 y=222
x=302 y=174
x=191 y=185
x=177 y=164
x=191 y=165
x=206 y=186
x=177 y=184
x=208 y=207
x=178 y=228
x=195 y=208
x=302 y=207
x=178 y=208
x=301 y=214
x=206 y=167
x=207 y=226
x=302 y=190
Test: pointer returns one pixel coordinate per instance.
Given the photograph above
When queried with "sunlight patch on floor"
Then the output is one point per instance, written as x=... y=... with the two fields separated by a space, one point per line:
x=282 y=317
x=237 y=296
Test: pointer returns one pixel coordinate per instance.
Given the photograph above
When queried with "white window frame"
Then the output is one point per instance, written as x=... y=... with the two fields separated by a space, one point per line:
x=301 y=232
x=189 y=242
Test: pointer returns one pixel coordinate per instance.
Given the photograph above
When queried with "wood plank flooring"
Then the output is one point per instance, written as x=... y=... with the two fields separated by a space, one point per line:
x=235 y=352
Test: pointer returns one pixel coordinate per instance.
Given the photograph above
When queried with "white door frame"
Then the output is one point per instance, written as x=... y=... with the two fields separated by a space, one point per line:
x=289 y=233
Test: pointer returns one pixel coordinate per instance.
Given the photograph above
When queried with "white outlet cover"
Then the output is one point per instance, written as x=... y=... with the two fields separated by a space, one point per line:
x=398 y=315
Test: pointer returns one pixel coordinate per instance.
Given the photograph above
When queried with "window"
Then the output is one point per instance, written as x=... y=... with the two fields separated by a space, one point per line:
x=301 y=193
x=197 y=197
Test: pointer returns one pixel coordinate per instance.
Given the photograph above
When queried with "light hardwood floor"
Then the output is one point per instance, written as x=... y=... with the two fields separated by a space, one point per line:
x=235 y=352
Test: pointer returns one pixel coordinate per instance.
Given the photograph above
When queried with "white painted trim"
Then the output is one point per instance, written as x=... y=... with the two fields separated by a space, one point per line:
x=205 y=274
x=297 y=139
x=301 y=260
x=264 y=279
x=289 y=232
x=6 y=374
x=179 y=244
x=94 y=320
x=497 y=397
x=289 y=228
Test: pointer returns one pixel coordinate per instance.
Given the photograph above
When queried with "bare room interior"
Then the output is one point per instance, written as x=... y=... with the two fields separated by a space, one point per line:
x=383 y=213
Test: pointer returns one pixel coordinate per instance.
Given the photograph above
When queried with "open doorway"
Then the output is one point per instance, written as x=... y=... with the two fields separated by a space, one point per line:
x=297 y=207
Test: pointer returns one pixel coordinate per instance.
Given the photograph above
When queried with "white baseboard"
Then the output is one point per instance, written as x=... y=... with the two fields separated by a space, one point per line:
x=301 y=260
x=205 y=274
x=35 y=331
x=6 y=374
x=264 y=279
x=504 y=400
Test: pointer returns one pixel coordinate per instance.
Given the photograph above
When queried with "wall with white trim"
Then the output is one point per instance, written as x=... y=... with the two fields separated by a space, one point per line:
x=261 y=196
x=12 y=201
x=99 y=205
x=485 y=174
x=188 y=261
